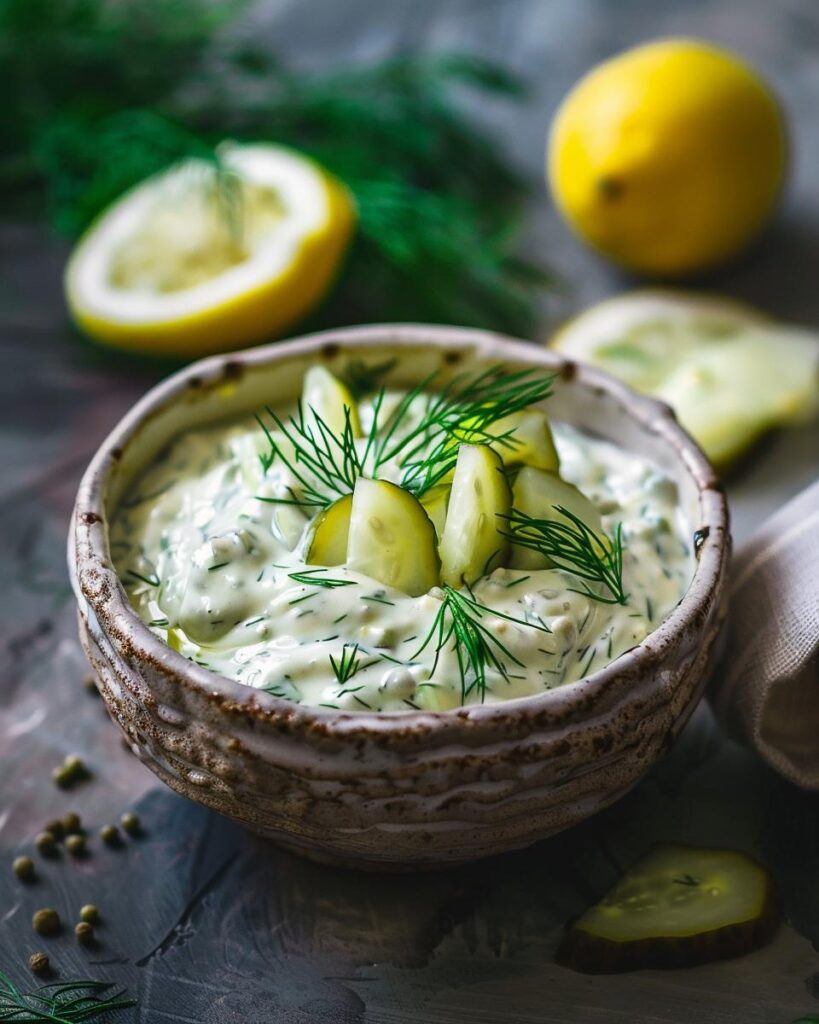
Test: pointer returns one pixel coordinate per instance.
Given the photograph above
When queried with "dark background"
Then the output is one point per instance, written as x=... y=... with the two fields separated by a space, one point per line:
x=201 y=921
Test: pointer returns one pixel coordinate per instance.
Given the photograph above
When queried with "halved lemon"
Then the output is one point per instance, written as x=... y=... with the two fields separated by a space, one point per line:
x=200 y=258
x=729 y=373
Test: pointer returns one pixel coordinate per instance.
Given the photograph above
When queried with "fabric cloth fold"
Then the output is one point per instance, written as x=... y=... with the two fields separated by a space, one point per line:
x=765 y=691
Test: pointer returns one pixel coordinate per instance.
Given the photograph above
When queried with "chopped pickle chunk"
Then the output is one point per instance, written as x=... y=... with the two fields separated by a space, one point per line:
x=531 y=443
x=392 y=539
x=327 y=539
x=472 y=543
x=536 y=493
x=327 y=398
x=678 y=906
x=435 y=502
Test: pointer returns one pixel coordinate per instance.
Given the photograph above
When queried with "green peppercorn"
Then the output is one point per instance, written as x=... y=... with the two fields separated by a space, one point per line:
x=75 y=844
x=84 y=932
x=130 y=822
x=89 y=913
x=71 y=823
x=46 y=921
x=55 y=827
x=70 y=771
x=23 y=867
x=38 y=962
x=46 y=844
x=110 y=835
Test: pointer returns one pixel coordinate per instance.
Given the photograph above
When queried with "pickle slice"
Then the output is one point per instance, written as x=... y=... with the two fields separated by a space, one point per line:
x=536 y=493
x=472 y=543
x=729 y=373
x=327 y=539
x=392 y=539
x=531 y=444
x=436 y=502
x=679 y=906
x=328 y=397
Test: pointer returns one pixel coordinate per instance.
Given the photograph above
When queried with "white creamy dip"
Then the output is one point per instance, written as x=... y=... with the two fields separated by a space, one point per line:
x=207 y=565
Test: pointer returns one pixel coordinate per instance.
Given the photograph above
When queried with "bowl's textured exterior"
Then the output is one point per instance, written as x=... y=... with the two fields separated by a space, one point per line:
x=411 y=789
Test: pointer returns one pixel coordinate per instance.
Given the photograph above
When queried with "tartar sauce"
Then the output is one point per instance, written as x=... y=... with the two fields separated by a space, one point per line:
x=209 y=567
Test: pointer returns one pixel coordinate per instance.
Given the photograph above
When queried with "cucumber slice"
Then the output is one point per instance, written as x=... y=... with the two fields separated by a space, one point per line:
x=436 y=502
x=729 y=373
x=677 y=907
x=392 y=539
x=472 y=543
x=327 y=397
x=728 y=395
x=327 y=540
x=532 y=437
x=536 y=493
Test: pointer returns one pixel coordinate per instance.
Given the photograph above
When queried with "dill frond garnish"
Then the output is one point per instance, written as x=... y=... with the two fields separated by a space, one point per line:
x=347 y=665
x=461 y=621
x=326 y=464
x=61 y=1002
x=576 y=548
x=309 y=577
x=151 y=581
x=463 y=411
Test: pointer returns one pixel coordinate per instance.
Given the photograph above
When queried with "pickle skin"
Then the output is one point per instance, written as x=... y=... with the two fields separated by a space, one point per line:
x=587 y=953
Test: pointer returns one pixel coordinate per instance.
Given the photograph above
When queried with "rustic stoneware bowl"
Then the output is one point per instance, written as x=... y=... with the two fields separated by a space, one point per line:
x=415 y=789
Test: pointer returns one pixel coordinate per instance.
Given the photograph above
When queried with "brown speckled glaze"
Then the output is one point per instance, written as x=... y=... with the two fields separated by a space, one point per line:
x=415 y=789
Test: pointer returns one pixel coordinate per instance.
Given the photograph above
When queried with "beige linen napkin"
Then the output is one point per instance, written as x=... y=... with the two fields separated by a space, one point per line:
x=766 y=690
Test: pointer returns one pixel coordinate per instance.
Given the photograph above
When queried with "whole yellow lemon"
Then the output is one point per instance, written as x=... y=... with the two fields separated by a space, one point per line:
x=668 y=158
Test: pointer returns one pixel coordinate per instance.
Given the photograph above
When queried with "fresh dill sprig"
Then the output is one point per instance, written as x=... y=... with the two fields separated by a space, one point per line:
x=462 y=411
x=460 y=620
x=151 y=581
x=308 y=576
x=325 y=464
x=347 y=665
x=107 y=94
x=576 y=548
x=61 y=1002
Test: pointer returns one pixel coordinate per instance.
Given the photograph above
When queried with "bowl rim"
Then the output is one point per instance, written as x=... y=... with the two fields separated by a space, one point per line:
x=90 y=560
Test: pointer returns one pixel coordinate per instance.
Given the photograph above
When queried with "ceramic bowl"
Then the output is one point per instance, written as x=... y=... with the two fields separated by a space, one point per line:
x=419 y=788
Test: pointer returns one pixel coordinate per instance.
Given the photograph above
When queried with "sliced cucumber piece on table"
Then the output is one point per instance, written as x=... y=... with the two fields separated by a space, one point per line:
x=677 y=907
x=392 y=539
x=472 y=543
x=328 y=397
x=536 y=493
x=327 y=538
x=729 y=373
x=531 y=443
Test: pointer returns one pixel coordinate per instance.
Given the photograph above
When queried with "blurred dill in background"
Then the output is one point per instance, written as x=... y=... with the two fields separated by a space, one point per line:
x=107 y=93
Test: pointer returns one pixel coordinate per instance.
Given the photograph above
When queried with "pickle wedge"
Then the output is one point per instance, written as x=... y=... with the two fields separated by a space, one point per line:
x=327 y=397
x=729 y=373
x=327 y=539
x=677 y=907
x=472 y=543
x=536 y=493
x=392 y=539
x=531 y=443
x=436 y=502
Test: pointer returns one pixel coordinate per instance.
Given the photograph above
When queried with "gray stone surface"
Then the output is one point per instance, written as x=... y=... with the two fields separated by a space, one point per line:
x=204 y=923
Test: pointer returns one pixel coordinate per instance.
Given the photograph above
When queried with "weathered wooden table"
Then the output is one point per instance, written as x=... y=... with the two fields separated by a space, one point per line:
x=205 y=923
